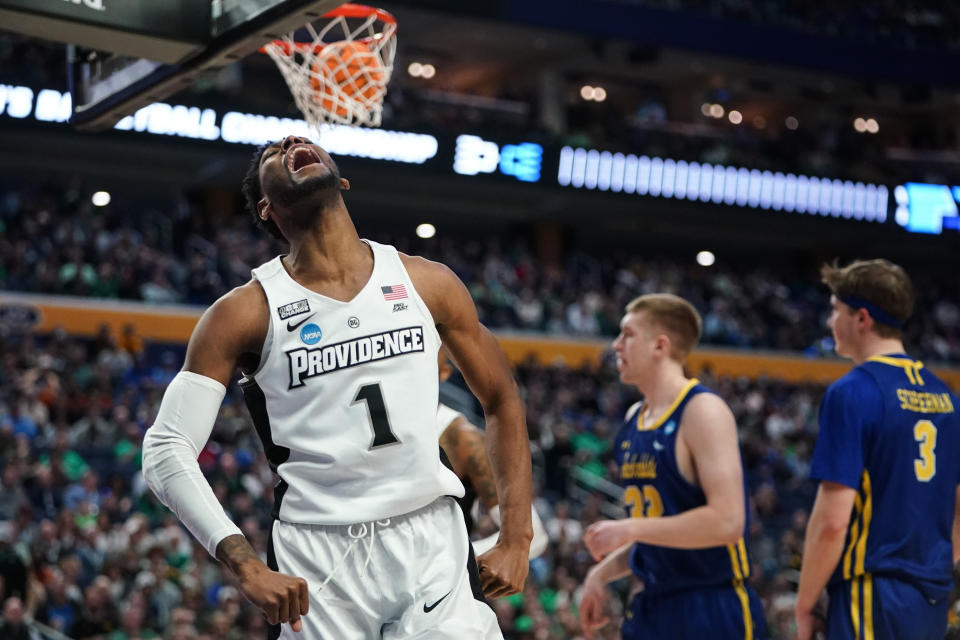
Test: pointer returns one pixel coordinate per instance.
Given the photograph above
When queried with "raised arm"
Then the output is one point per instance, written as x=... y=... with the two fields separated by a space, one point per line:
x=477 y=354
x=709 y=432
x=230 y=334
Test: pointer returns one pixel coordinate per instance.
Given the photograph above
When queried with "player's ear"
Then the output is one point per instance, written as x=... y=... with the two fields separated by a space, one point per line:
x=263 y=209
x=344 y=184
x=662 y=344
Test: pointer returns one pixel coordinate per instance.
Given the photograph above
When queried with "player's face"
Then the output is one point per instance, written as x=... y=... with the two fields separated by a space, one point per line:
x=841 y=323
x=635 y=347
x=294 y=170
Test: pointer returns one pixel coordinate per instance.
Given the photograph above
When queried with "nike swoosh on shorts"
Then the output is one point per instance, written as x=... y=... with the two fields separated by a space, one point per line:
x=428 y=609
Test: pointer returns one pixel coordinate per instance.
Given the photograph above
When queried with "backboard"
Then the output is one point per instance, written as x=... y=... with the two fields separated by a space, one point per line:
x=126 y=54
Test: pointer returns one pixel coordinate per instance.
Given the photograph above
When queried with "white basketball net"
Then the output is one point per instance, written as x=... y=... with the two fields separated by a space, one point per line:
x=341 y=76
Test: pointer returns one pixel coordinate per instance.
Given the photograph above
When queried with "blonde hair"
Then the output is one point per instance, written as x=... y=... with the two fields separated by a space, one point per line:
x=675 y=316
x=880 y=282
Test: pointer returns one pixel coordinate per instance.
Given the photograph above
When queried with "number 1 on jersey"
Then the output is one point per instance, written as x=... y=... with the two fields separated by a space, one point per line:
x=925 y=433
x=372 y=396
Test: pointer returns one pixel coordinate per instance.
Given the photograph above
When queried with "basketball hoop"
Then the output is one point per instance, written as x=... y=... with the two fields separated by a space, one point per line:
x=340 y=76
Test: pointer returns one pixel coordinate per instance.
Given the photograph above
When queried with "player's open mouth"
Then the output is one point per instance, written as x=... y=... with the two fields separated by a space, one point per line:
x=300 y=157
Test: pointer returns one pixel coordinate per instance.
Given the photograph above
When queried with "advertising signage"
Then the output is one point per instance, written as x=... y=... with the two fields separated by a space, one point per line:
x=917 y=207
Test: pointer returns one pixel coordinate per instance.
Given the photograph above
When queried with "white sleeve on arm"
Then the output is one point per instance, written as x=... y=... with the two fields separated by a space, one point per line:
x=170 y=450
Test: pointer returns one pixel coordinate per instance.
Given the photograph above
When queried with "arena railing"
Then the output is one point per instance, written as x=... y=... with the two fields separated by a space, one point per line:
x=172 y=324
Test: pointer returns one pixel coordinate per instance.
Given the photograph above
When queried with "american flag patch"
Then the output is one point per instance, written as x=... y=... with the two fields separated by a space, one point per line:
x=394 y=292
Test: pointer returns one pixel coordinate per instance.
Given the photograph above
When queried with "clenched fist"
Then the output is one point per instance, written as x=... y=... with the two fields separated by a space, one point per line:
x=503 y=569
x=282 y=598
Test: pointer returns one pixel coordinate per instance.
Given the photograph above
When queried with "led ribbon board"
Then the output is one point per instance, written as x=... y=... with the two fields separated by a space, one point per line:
x=196 y=123
x=920 y=208
x=681 y=180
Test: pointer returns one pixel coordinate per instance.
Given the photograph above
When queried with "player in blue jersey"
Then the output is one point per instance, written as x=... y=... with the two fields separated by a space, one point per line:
x=680 y=466
x=888 y=461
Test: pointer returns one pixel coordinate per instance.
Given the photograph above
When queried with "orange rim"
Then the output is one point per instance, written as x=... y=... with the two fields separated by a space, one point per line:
x=360 y=11
x=348 y=10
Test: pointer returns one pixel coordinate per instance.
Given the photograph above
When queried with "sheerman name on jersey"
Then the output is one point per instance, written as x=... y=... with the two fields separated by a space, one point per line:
x=307 y=363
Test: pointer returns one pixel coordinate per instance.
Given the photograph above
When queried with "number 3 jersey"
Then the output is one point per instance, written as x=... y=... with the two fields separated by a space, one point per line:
x=889 y=429
x=654 y=487
x=345 y=398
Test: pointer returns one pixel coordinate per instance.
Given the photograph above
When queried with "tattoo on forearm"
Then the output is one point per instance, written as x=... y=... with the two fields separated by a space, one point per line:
x=479 y=472
x=449 y=440
x=234 y=551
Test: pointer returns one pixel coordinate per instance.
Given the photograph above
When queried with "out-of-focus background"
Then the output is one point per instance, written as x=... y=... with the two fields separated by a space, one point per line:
x=561 y=157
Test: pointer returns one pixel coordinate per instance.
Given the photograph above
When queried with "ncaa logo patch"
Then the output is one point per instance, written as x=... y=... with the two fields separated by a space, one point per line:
x=311 y=334
x=353 y=322
x=671 y=426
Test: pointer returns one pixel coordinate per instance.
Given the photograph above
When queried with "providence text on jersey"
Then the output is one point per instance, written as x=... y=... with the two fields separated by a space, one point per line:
x=307 y=363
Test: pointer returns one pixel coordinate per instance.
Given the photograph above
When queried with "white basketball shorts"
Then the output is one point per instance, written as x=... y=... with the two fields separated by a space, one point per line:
x=401 y=578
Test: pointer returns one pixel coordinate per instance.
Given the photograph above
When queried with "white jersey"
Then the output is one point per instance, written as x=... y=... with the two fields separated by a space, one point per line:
x=345 y=398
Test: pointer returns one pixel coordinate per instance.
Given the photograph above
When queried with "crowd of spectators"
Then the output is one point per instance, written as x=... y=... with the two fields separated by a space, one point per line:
x=86 y=549
x=55 y=241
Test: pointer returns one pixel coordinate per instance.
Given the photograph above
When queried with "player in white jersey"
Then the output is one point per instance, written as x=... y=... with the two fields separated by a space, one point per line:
x=337 y=341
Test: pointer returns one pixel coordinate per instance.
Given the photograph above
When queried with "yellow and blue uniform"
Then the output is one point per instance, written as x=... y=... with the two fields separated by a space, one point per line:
x=688 y=594
x=890 y=430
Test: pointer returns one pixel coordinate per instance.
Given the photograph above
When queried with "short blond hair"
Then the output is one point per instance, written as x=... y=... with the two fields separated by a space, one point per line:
x=675 y=316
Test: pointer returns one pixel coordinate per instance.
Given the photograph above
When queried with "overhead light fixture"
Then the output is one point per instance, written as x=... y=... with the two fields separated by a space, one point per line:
x=597 y=94
x=706 y=258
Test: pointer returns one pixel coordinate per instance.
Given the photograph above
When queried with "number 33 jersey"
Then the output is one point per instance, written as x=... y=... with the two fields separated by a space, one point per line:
x=345 y=398
x=654 y=487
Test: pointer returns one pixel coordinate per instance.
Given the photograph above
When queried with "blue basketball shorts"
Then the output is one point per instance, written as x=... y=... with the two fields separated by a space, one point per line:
x=730 y=611
x=877 y=608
